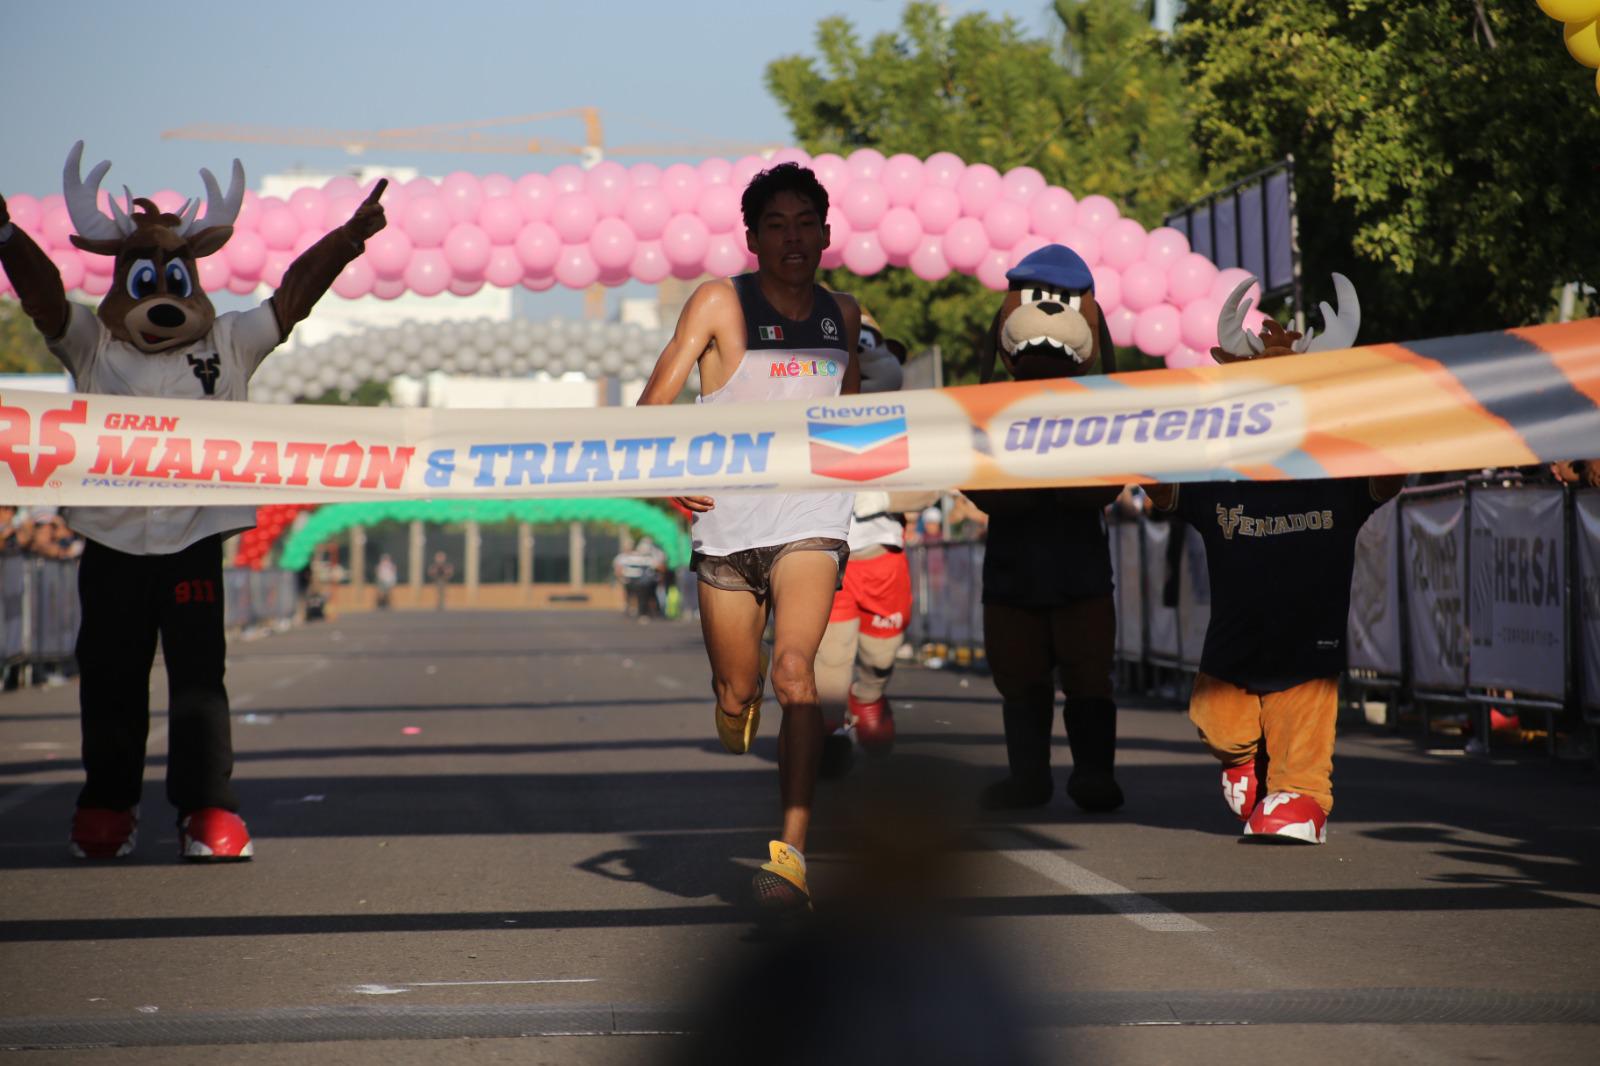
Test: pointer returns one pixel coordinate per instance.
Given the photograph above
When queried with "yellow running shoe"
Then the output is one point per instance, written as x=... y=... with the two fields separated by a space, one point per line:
x=738 y=732
x=780 y=885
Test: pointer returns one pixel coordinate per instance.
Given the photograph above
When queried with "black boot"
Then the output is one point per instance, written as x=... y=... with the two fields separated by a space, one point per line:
x=1028 y=751
x=1092 y=732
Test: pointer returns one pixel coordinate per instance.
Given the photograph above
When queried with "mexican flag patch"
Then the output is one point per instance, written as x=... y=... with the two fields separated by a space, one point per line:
x=770 y=333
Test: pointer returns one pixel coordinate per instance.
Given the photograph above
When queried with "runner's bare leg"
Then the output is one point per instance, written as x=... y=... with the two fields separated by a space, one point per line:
x=802 y=594
x=732 y=623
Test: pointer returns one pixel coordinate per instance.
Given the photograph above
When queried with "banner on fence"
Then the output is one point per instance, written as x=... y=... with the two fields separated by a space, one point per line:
x=1435 y=576
x=1374 y=632
x=1587 y=506
x=1490 y=399
x=1517 y=615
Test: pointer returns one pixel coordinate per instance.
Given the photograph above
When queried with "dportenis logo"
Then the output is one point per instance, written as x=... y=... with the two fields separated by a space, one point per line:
x=858 y=442
x=55 y=448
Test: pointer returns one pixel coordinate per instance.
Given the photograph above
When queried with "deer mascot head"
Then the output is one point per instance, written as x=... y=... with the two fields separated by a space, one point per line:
x=1049 y=325
x=1236 y=344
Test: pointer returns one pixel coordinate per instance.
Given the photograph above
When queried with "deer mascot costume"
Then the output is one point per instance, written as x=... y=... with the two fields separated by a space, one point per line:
x=150 y=572
x=1048 y=616
x=1280 y=555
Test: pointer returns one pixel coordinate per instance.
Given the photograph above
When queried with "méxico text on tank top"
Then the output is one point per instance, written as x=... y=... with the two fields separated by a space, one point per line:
x=783 y=360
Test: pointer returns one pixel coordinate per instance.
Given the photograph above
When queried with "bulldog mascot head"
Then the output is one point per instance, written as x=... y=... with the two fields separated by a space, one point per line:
x=1049 y=325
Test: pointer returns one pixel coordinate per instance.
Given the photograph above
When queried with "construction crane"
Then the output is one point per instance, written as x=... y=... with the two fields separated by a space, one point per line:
x=453 y=137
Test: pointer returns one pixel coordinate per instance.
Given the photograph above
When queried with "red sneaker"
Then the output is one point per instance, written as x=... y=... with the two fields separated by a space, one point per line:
x=1288 y=817
x=212 y=834
x=874 y=724
x=99 y=833
x=1241 y=789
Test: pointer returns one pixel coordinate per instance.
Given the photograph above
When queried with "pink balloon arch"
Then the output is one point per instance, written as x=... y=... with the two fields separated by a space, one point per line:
x=612 y=224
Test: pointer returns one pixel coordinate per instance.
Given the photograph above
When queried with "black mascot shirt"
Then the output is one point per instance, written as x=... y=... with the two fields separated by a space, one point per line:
x=1280 y=555
x=1045 y=547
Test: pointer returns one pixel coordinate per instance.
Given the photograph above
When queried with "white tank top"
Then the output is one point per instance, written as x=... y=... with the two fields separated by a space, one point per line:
x=783 y=360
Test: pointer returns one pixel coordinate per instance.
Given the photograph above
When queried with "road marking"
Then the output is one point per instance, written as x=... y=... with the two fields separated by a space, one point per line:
x=395 y=990
x=1140 y=910
x=669 y=682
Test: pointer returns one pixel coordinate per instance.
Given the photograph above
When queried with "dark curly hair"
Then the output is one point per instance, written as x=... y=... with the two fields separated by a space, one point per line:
x=785 y=177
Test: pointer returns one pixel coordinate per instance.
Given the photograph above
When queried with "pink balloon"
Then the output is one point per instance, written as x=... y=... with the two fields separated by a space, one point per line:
x=460 y=287
x=214 y=273
x=902 y=179
x=746 y=168
x=1025 y=247
x=69 y=261
x=839 y=234
x=682 y=185
x=608 y=186
x=576 y=269
x=864 y=255
x=389 y=252
x=338 y=211
x=567 y=178
x=428 y=273
x=614 y=277
x=1022 y=184
x=928 y=262
x=1156 y=332
x=1122 y=243
x=866 y=164
x=501 y=219
x=1143 y=286
x=965 y=244
x=1121 y=322
x=790 y=155
x=1197 y=323
x=420 y=187
x=992 y=271
x=644 y=175
x=650 y=263
x=832 y=171
x=394 y=198
x=1051 y=211
x=505 y=268
x=719 y=208
x=573 y=217
x=24 y=211
x=236 y=285
x=278 y=261
x=937 y=207
x=724 y=256
x=1080 y=240
x=96 y=284
x=462 y=194
x=612 y=244
x=943 y=169
x=1227 y=280
x=1183 y=357
x=1190 y=278
x=355 y=280
x=169 y=201
x=341 y=185
x=539 y=283
x=308 y=205
x=647 y=213
x=1164 y=246
x=1005 y=223
x=864 y=203
x=426 y=222
x=1107 y=289
x=684 y=241
x=389 y=290
x=1253 y=319
x=497 y=185
x=107 y=266
x=56 y=228
x=978 y=188
x=900 y=233
x=535 y=195
x=301 y=243
x=277 y=225
x=467 y=248
x=246 y=253
x=1095 y=213
x=715 y=171
x=538 y=247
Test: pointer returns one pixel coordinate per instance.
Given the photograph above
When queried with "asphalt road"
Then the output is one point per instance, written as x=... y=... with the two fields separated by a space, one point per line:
x=500 y=837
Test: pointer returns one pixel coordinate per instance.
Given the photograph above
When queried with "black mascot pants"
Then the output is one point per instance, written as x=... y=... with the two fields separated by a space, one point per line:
x=128 y=601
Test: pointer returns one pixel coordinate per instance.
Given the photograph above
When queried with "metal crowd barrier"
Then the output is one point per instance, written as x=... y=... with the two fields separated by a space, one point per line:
x=1476 y=593
x=39 y=610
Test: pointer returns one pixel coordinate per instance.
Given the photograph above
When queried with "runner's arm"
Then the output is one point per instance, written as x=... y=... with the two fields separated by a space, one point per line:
x=697 y=330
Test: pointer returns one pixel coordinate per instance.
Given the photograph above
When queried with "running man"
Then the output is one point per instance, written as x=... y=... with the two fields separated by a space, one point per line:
x=778 y=553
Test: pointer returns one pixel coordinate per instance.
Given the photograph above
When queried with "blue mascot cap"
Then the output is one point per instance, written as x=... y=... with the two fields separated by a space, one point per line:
x=1054 y=265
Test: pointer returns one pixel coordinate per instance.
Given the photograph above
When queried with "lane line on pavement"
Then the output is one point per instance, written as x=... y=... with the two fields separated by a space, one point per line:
x=406 y=986
x=1142 y=911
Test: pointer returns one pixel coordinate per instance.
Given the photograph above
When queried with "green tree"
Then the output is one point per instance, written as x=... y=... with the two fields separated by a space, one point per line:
x=367 y=394
x=1445 y=151
x=1099 y=109
x=22 y=349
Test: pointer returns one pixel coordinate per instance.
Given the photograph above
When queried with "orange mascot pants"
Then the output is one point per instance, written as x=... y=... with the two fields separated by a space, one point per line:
x=1291 y=731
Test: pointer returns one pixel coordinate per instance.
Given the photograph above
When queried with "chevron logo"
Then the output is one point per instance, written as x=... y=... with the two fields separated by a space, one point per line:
x=858 y=451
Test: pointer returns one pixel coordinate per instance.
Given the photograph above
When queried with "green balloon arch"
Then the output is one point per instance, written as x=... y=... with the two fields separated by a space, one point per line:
x=333 y=519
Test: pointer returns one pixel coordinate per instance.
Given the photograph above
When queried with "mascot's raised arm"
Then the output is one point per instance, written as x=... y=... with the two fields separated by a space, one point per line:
x=150 y=572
